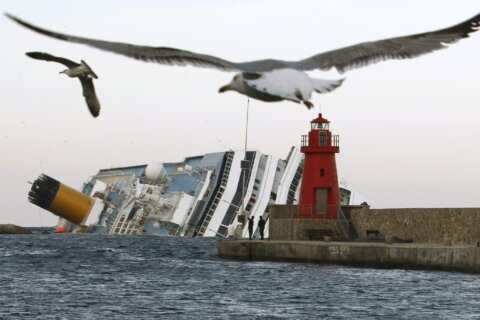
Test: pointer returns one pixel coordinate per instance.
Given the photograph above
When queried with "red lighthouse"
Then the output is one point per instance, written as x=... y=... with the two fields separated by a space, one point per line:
x=319 y=193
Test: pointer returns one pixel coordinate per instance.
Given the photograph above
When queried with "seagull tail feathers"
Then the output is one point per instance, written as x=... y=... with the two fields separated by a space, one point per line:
x=324 y=86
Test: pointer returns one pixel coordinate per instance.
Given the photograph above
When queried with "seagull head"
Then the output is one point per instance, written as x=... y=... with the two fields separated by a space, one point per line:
x=68 y=72
x=237 y=84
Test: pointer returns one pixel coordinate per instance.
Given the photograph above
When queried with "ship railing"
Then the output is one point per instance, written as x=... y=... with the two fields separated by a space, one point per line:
x=218 y=196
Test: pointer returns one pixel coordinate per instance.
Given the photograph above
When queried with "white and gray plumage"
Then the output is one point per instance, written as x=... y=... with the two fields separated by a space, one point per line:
x=276 y=80
x=76 y=70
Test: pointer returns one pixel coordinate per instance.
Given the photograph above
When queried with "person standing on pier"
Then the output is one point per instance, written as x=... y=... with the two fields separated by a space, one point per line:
x=250 y=227
x=261 y=226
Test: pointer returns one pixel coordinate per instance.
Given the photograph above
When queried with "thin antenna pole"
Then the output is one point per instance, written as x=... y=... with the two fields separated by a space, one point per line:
x=244 y=170
x=246 y=127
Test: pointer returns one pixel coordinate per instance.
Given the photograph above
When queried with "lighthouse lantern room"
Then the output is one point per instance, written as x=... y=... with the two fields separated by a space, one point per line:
x=319 y=193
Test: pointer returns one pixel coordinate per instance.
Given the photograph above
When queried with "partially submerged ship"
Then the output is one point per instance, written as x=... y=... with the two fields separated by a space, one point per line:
x=201 y=196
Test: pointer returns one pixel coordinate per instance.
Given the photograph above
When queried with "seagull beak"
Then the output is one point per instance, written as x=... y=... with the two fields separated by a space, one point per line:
x=224 y=88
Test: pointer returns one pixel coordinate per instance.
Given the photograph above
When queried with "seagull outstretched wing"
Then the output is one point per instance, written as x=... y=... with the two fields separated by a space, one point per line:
x=48 y=57
x=364 y=54
x=163 y=55
x=343 y=59
x=90 y=96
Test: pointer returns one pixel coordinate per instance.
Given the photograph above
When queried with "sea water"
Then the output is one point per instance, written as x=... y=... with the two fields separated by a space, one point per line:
x=68 y=276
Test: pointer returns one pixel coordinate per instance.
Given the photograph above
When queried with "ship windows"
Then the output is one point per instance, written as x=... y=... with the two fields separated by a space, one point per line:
x=322 y=172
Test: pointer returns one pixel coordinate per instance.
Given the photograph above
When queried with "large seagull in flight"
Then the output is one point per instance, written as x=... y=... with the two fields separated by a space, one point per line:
x=277 y=80
x=82 y=71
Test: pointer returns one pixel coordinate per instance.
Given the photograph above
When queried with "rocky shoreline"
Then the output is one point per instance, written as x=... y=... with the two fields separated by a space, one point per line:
x=13 y=229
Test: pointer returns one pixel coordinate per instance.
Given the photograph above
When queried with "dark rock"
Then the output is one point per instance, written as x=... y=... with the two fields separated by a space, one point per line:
x=13 y=229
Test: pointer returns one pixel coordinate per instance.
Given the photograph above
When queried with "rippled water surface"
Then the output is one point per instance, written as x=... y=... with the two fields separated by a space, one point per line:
x=98 y=277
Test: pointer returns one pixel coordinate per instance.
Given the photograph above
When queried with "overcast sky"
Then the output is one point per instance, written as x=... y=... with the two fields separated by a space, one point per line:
x=409 y=130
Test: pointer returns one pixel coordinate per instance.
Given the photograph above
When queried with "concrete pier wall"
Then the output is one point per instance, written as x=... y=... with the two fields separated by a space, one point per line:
x=457 y=226
x=443 y=239
x=378 y=255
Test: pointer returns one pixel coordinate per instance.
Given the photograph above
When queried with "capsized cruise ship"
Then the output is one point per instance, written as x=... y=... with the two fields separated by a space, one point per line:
x=198 y=197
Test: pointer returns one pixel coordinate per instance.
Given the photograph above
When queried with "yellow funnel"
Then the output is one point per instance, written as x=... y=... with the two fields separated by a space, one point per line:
x=60 y=199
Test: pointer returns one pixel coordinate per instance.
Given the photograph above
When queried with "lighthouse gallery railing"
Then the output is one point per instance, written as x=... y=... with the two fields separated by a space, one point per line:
x=333 y=142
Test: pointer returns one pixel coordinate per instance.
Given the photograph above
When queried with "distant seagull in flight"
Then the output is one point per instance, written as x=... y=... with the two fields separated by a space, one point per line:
x=76 y=70
x=277 y=80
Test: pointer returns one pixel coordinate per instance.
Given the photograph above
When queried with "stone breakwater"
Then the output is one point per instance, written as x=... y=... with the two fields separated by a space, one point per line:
x=456 y=226
x=447 y=226
x=463 y=258
x=13 y=229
